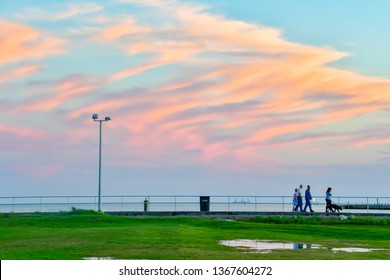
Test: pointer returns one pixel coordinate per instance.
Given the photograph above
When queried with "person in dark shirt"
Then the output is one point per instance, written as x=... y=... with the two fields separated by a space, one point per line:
x=308 y=199
x=328 y=199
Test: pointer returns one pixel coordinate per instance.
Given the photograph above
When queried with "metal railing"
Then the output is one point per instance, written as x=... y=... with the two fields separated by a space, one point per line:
x=188 y=203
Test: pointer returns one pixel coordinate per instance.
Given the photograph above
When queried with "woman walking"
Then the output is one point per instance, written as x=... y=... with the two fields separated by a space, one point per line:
x=295 y=200
x=328 y=199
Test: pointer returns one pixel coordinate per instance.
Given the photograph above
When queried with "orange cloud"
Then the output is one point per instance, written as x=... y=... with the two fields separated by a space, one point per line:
x=21 y=42
x=127 y=28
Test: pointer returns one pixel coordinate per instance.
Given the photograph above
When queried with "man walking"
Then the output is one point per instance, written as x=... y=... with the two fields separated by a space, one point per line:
x=308 y=198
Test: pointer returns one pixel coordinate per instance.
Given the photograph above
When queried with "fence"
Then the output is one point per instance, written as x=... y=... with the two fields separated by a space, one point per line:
x=178 y=203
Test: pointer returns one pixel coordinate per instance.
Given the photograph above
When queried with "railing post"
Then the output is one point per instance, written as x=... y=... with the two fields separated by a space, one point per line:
x=13 y=204
x=283 y=203
x=255 y=203
x=368 y=207
x=228 y=203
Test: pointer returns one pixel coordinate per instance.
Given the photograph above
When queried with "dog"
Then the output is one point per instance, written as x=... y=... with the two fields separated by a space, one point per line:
x=335 y=207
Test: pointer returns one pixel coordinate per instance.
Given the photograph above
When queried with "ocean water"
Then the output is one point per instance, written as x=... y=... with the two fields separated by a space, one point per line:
x=165 y=206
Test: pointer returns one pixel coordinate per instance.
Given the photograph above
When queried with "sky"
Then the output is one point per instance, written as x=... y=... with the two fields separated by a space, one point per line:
x=217 y=97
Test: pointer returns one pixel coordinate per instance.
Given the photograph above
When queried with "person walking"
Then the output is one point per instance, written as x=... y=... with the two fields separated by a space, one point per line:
x=300 y=202
x=328 y=199
x=295 y=200
x=308 y=199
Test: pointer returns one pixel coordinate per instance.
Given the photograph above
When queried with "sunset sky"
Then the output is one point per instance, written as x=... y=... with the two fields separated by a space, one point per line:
x=209 y=97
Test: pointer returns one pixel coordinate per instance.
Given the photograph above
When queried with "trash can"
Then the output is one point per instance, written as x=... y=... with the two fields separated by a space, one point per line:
x=146 y=205
x=204 y=203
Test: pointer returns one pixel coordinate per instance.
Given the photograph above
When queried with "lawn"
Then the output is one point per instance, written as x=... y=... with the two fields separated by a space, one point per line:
x=83 y=234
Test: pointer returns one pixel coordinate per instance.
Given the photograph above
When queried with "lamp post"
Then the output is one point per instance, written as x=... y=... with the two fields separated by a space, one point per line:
x=95 y=118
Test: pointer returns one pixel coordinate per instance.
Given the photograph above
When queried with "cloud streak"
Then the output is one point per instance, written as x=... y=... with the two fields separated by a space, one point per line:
x=67 y=11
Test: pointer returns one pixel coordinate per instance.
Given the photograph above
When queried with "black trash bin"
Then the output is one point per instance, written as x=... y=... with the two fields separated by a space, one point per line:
x=146 y=205
x=204 y=203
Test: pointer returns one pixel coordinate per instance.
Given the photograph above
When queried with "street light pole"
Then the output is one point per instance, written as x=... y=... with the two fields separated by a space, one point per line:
x=100 y=168
x=95 y=119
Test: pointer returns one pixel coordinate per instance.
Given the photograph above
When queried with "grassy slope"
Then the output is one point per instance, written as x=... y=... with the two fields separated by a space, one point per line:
x=79 y=235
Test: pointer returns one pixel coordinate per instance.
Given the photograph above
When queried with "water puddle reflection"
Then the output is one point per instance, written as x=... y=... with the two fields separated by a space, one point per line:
x=354 y=250
x=267 y=246
x=99 y=258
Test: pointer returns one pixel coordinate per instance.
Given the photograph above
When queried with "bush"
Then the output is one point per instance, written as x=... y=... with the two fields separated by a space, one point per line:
x=319 y=220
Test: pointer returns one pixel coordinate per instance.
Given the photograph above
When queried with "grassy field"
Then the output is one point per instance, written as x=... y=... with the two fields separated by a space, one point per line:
x=83 y=234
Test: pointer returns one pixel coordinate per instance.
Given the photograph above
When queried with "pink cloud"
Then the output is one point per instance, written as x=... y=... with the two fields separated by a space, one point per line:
x=39 y=170
x=131 y=72
x=371 y=141
x=21 y=132
x=63 y=92
x=19 y=72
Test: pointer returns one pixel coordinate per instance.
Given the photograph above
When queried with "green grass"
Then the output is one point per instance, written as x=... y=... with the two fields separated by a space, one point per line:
x=82 y=234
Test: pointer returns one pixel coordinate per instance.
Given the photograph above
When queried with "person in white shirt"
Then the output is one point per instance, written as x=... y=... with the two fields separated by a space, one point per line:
x=300 y=202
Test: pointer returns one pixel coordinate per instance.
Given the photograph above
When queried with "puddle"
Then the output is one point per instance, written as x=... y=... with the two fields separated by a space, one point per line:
x=225 y=220
x=355 y=250
x=98 y=258
x=266 y=246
